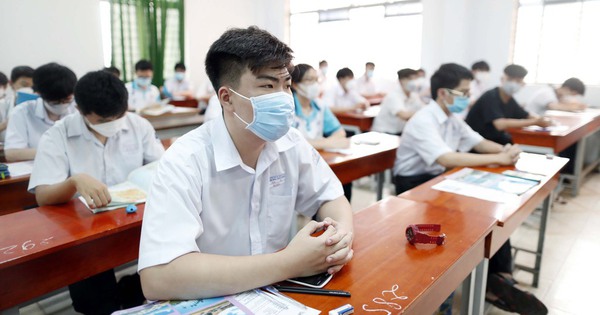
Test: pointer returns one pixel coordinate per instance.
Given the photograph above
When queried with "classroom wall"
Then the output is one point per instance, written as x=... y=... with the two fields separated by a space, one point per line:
x=35 y=32
x=206 y=20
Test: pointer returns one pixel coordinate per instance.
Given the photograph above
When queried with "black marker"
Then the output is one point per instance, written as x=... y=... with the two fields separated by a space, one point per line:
x=341 y=293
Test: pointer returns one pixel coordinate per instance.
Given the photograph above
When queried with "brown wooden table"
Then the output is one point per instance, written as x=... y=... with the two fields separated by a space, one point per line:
x=509 y=216
x=47 y=248
x=579 y=126
x=384 y=260
x=361 y=120
x=193 y=103
x=364 y=159
x=172 y=125
x=14 y=196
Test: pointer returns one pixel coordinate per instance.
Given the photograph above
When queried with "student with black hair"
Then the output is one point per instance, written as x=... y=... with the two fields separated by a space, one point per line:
x=83 y=154
x=219 y=213
x=366 y=84
x=496 y=110
x=28 y=121
x=481 y=81
x=4 y=109
x=400 y=104
x=344 y=96
x=434 y=140
x=21 y=80
x=568 y=97
x=324 y=84
x=178 y=87
x=114 y=71
x=142 y=93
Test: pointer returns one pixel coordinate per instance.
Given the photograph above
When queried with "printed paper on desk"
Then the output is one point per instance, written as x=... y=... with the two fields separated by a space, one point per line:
x=469 y=190
x=133 y=191
x=549 y=128
x=346 y=151
x=249 y=302
x=20 y=168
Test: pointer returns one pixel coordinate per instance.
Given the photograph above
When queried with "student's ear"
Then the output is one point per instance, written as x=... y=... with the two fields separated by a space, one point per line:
x=225 y=99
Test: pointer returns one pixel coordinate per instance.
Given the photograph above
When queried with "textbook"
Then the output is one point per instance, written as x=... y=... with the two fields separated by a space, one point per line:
x=258 y=301
x=488 y=186
x=133 y=191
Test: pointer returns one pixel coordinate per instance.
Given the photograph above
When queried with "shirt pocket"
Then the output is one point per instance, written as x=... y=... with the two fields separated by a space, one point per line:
x=280 y=212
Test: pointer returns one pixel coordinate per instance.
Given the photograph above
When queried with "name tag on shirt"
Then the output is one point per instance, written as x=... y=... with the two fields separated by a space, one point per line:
x=276 y=180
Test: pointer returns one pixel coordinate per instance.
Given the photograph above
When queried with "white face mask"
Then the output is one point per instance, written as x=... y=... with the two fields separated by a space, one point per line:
x=572 y=99
x=2 y=93
x=310 y=91
x=412 y=85
x=482 y=76
x=350 y=85
x=58 y=109
x=107 y=129
x=511 y=87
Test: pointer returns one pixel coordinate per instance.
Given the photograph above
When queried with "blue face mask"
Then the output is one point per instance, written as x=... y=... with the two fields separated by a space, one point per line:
x=179 y=76
x=459 y=105
x=143 y=82
x=273 y=115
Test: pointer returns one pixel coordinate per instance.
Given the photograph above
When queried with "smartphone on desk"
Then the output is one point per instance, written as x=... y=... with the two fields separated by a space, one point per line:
x=316 y=281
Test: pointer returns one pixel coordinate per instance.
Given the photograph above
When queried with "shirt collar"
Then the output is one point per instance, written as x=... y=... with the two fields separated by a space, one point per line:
x=40 y=110
x=438 y=112
x=77 y=127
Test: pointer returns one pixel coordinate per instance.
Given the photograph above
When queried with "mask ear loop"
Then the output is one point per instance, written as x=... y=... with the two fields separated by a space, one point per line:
x=236 y=114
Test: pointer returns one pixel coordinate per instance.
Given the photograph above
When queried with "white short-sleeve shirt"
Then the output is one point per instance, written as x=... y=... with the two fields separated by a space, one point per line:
x=366 y=86
x=393 y=103
x=337 y=97
x=173 y=86
x=204 y=199
x=69 y=148
x=429 y=134
x=140 y=98
x=538 y=104
x=28 y=122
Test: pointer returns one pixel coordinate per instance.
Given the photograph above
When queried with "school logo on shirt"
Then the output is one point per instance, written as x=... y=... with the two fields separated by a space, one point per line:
x=276 y=180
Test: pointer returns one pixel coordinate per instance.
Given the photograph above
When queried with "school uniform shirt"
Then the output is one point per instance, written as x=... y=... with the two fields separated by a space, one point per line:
x=28 y=121
x=173 y=86
x=429 y=134
x=366 y=86
x=140 y=98
x=320 y=123
x=213 y=109
x=205 y=199
x=337 y=97
x=540 y=100
x=394 y=102
x=70 y=148
x=490 y=107
x=5 y=109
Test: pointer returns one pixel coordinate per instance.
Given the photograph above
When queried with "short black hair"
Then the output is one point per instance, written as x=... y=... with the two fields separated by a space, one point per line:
x=405 y=73
x=421 y=70
x=54 y=82
x=448 y=76
x=21 y=71
x=101 y=93
x=239 y=49
x=344 y=73
x=481 y=66
x=299 y=72
x=143 y=65
x=180 y=66
x=515 y=71
x=575 y=84
x=113 y=70
x=3 y=79
x=369 y=64
x=322 y=62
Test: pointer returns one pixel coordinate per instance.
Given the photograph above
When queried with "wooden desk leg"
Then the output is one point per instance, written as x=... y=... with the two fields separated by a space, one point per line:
x=473 y=290
x=579 y=158
x=380 y=181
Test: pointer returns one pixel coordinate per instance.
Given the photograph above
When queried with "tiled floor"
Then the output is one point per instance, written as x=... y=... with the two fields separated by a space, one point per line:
x=570 y=262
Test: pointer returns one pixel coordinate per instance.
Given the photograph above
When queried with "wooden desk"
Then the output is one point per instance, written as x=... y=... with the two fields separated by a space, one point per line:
x=365 y=159
x=375 y=100
x=193 y=103
x=362 y=120
x=47 y=248
x=580 y=126
x=14 y=196
x=509 y=216
x=175 y=125
x=383 y=259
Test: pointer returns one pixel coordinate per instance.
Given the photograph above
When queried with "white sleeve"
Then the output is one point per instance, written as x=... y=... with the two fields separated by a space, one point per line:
x=426 y=139
x=172 y=220
x=51 y=163
x=469 y=138
x=317 y=183
x=16 y=131
x=393 y=104
x=153 y=148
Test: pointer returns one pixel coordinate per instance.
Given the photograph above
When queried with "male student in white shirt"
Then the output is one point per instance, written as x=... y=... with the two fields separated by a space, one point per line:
x=142 y=93
x=4 y=105
x=399 y=105
x=178 y=87
x=365 y=84
x=344 y=96
x=434 y=140
x=28 y=121
x=96 y=147
x=568 y=97
x=481 y=81
x=218 y=216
